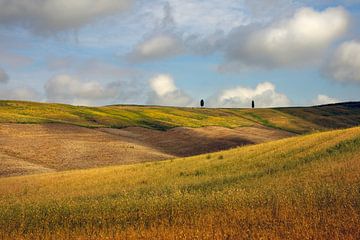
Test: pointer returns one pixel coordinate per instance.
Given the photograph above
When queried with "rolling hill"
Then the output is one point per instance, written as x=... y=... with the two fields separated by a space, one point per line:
x=296 y=120
x=304 y=187
x=41 y=137
x=37 y=148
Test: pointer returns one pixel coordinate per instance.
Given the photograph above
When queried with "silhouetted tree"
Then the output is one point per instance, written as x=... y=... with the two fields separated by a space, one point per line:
x=202 y=103
x=253 y=104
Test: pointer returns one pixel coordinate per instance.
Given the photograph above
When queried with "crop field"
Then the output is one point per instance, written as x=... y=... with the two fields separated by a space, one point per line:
x=37 y=148
x=304 y=187
x=296 y=120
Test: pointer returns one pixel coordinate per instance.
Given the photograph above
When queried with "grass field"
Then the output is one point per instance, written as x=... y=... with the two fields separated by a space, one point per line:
x=305 y=187
x=297 y=120
x=37 y=148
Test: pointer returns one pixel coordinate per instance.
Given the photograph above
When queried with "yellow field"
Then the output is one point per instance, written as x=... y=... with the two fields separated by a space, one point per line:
x=296 y=120
x=300 y=188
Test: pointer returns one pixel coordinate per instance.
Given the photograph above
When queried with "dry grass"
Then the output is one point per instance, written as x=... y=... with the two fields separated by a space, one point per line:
x=56 y=147
x=300 y=188
x=36 y=148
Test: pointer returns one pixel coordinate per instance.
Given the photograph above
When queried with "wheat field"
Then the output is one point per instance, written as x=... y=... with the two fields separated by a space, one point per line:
x=303 y=187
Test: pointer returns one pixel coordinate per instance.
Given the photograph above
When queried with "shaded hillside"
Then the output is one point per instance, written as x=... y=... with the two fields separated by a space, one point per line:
x=339 y=115
x=36 y=148
x=298 y=188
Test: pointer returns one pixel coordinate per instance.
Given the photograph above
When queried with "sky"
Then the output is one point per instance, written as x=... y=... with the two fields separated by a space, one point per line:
x=176 y=52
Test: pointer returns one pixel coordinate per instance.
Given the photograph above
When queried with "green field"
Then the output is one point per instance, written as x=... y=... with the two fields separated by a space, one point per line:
x=298 y=120
x=303 y=187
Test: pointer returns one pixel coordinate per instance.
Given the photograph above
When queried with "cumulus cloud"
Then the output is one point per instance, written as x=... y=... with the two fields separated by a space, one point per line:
x=91 y=68
x=163 y=42
x=264 y=95
x=69 y=89
x=4 y=77
x=46 y=16
x=344 y=65
x=165 y=92
x=292 y=42
x=21 y=93
x=157 y=47
x=324 y=99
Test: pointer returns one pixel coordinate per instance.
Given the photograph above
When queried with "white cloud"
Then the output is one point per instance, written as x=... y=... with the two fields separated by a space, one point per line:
x=4 y=77
x=21 y=93
x=187 y=26
x=165 y=92
x=91 y=68
x=323 y=99
x=344 y=65
x=163 y=41
x=68 y=89
x=46 y=16
x=162 y=85
x=157 y=47
x=264 y=95
x=291 y=42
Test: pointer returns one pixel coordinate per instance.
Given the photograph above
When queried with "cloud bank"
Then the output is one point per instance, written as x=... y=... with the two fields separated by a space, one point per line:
x=163 y=42
x=47 y=16
x=21 y=93
x=324 y=99
x=344 y=65
x=157 y=47
x=69 y=89
x=292 y=42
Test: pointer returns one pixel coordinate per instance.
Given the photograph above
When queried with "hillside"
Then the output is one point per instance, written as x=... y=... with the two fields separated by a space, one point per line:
x=36 y=148
x=339 y=115
x=296 y=120
x=42 y=137
x=303 y=187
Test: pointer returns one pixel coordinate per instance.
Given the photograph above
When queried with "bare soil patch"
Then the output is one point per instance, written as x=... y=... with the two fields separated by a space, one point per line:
x=183 y=142
x=38 y=148
x=64 y=147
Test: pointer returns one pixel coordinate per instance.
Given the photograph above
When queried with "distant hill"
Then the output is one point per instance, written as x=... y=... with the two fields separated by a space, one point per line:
x=296 y=120
x=340 y=115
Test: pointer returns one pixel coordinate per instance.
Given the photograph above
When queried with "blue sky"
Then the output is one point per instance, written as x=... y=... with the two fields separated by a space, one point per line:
x=175 y=52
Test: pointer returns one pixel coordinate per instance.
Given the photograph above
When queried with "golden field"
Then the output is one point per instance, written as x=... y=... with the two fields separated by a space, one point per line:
x=295 y=120
x=38 y=148
x=305 y=187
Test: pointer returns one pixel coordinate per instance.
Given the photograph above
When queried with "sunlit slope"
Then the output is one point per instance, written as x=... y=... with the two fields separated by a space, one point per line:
x=298 y=188
x=297 y=120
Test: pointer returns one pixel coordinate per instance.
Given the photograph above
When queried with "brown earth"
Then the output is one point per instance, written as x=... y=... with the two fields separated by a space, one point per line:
x=39 y=148
x=183 y=142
